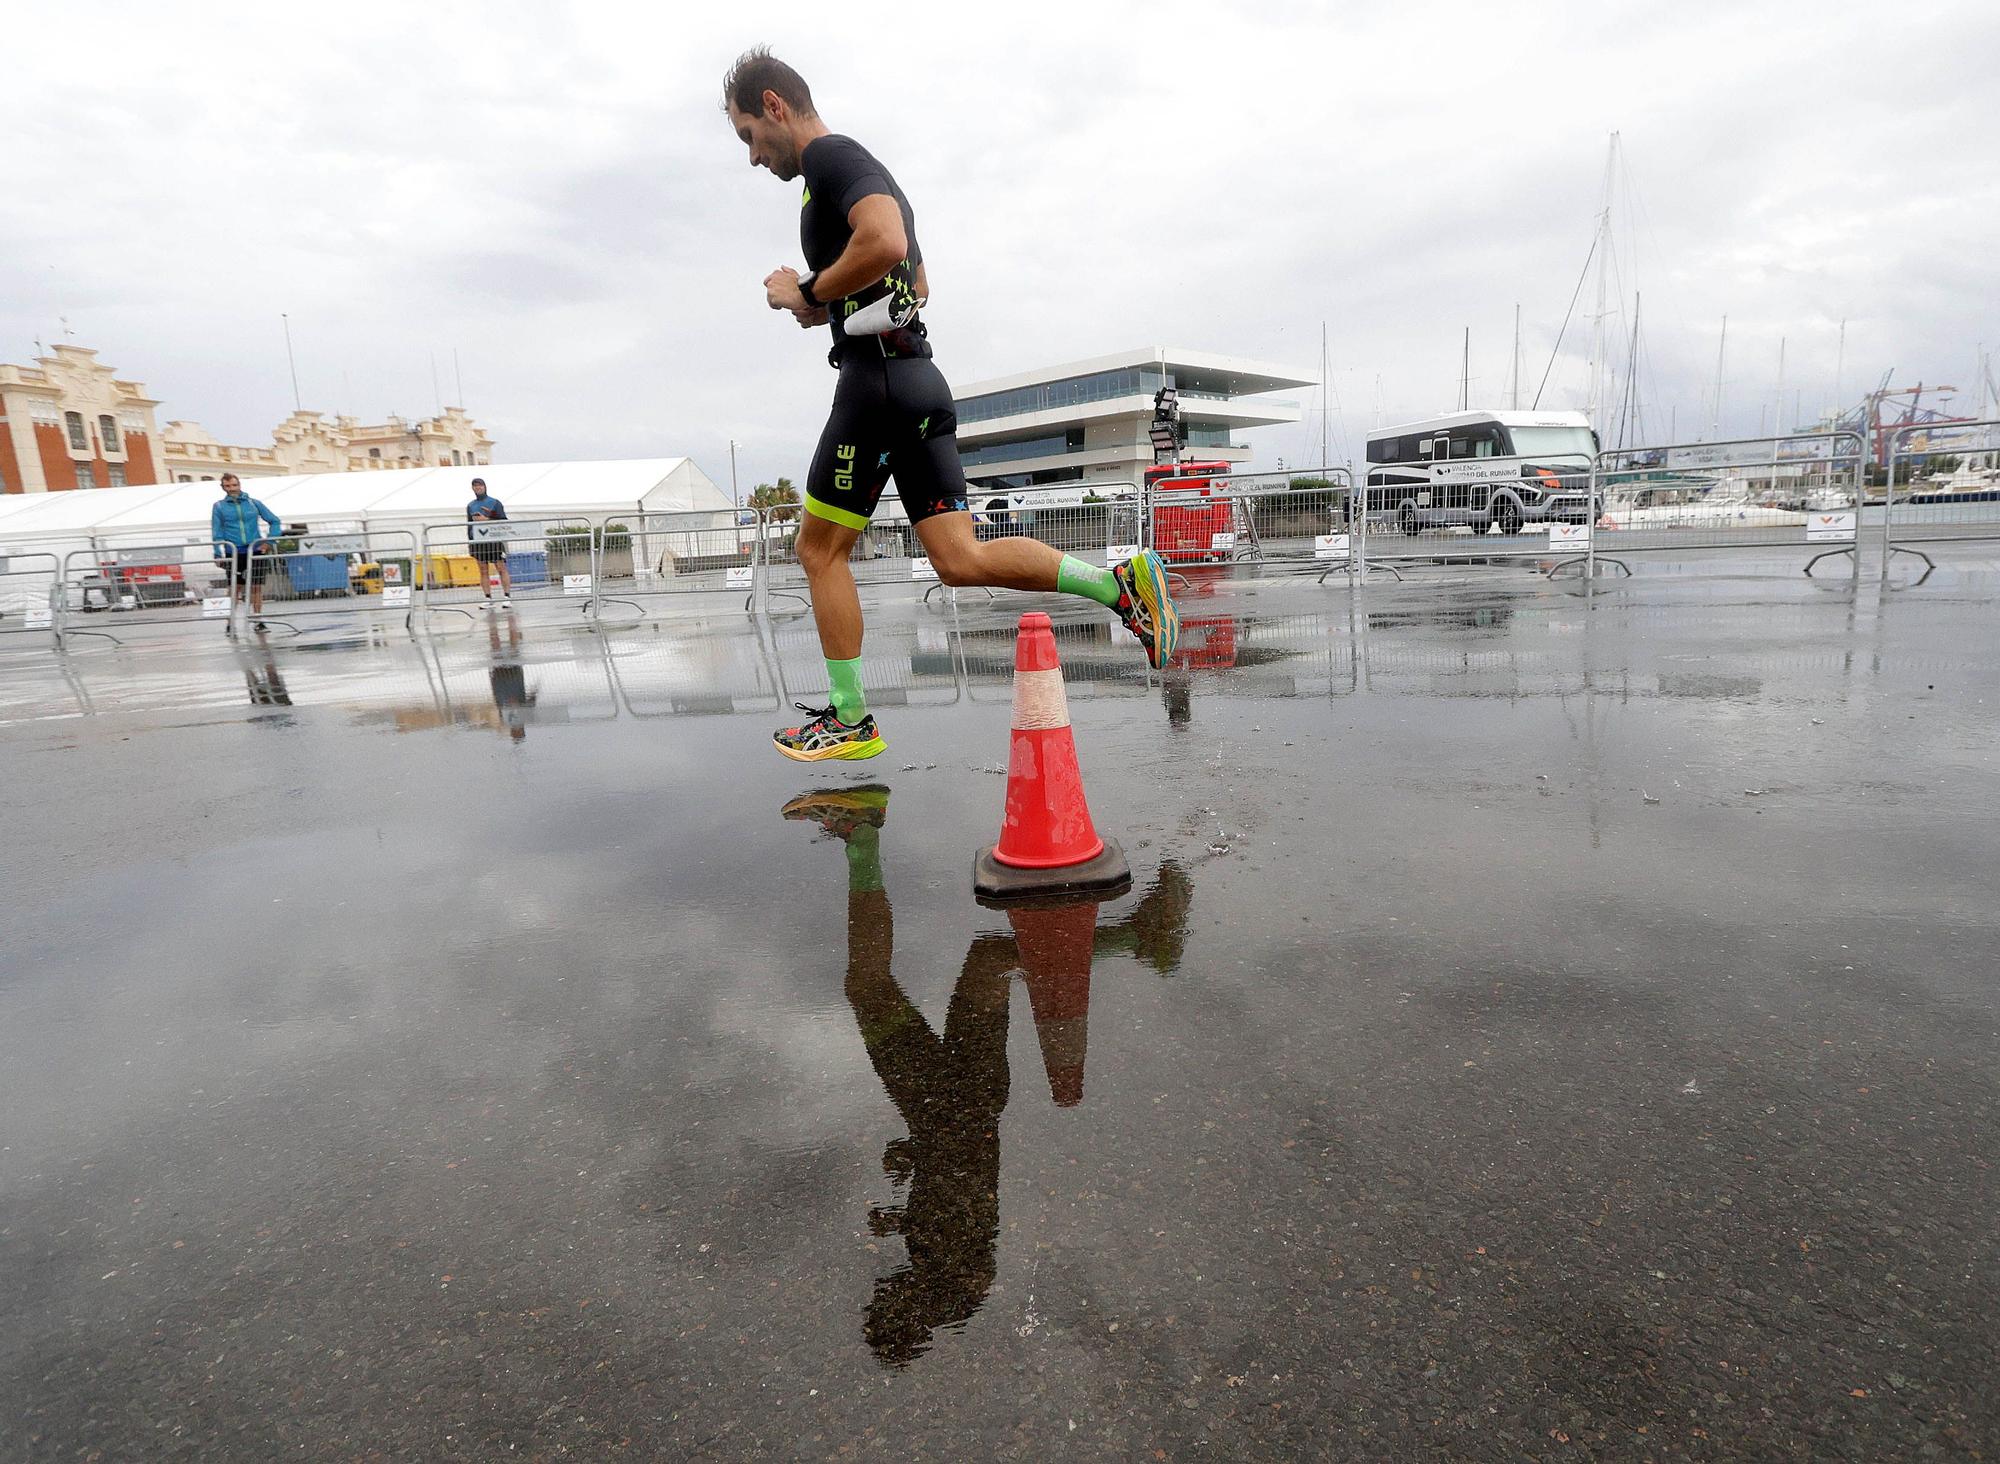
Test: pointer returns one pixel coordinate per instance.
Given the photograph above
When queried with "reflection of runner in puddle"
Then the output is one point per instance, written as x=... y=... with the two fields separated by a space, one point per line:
x=950 y=1088
x=511 y=697
x=265 y=681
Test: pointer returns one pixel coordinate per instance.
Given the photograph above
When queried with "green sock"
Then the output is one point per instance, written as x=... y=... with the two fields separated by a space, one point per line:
x=850 y=703
x=1074 y=577
x=864 y=860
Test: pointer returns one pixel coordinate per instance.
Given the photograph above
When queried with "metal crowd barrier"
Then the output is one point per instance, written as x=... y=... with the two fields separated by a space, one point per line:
x=552 y=559
x=699 y=551
x=1096 y=522
x=133 y=585
x=887 y=553
x=1302 y=517
x=28 y=592
x=1803 y=489
x=1476 y=508
x=1950 y=486
x=367 y=572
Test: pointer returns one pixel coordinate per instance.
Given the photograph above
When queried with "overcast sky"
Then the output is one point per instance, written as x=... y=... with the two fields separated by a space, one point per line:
x=553 y=194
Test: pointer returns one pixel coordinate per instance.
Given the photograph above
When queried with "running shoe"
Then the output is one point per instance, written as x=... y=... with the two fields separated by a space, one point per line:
x=260 y=627
x=1146 y=605
x=826 y=738
x=840 y=811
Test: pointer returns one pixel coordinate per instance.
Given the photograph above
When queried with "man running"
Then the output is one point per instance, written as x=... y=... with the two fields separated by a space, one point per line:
x=893 y=414
x=233 y=525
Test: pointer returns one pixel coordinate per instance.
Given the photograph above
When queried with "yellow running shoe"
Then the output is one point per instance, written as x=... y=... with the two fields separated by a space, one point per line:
x=826 y=738
x=1146 y=605
x=840 y=811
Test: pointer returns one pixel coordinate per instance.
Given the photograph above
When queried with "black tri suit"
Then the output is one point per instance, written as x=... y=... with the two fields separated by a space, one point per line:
x=892 y=413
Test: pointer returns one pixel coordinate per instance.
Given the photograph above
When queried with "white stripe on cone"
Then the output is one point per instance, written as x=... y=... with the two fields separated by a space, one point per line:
x=1039 y=701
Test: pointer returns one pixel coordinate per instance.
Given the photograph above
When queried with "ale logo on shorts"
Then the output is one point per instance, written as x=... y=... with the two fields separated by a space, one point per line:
x=843 y=476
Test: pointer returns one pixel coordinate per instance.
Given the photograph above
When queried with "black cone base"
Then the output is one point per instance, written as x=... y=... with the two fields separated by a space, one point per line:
x=998 y=885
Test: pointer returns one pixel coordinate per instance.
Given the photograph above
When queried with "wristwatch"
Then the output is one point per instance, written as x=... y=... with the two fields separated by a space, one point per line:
x=806 y=287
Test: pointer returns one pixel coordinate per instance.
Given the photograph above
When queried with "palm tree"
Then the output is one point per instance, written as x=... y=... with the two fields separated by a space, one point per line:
x=780 y=500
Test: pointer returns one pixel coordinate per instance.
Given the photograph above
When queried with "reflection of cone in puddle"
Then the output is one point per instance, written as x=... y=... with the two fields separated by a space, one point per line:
x=1055 y=948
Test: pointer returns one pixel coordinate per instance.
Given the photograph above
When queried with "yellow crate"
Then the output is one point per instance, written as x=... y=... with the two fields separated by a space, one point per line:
x=445 y=571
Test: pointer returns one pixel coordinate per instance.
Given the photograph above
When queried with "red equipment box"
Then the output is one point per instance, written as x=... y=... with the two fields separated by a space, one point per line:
x=1187 y=516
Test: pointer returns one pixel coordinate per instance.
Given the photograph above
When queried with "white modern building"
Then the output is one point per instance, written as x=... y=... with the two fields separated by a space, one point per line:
x=1086 y=421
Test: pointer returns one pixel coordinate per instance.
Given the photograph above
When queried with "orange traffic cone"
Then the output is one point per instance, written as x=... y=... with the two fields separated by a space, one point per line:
x=1055 y=944
x=1048 y=845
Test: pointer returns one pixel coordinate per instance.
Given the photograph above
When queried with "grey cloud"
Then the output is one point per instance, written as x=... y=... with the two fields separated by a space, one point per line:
x=562 y=203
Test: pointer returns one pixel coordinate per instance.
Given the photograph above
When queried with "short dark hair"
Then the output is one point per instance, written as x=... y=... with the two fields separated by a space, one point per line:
x=757 y=71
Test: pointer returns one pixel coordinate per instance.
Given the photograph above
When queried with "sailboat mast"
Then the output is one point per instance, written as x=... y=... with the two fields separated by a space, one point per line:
x=1514 y=393
x=1597 y=361
x=1324 y=403
x=1715 y=422
x=1839 y=366
x=1628 y=412
x=1781 y=386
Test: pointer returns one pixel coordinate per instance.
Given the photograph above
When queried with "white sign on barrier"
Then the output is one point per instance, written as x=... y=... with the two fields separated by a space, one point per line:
x=1331 y=546
x=213 y=606
x=128 y=602
x=1117 y=554
x=395 y=596
x=1226 y=539
x=576 y=584
x=737 y=576
x=499 y=531
x=1830 y=528
x=920 y=569
x=332 y=543
x=1475 y=472
x=38 y=617
x=1569 y=536
x=1048 y=498
x=148 y=557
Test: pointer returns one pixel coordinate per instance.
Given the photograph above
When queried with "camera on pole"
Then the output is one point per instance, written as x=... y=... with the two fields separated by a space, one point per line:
x=1168 y=432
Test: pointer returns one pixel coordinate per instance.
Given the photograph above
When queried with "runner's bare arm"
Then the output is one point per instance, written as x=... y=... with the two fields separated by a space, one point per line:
x=878 y=246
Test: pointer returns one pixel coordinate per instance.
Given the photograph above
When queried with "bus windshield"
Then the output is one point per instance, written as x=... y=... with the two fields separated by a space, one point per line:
x=1537 y=442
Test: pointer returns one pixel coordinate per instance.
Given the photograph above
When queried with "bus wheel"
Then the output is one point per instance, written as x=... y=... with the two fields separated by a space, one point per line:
x=1508 y=514
x=1406 y=520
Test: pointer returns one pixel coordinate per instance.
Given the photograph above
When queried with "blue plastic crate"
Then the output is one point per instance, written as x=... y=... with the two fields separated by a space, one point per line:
x=312 y=573
x=530 y=567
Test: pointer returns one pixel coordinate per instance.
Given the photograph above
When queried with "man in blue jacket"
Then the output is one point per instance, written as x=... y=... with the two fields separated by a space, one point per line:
x=491 y=553
x=233 y=524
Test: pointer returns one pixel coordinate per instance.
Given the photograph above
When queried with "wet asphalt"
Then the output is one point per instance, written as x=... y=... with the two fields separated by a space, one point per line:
x=1543 y=1025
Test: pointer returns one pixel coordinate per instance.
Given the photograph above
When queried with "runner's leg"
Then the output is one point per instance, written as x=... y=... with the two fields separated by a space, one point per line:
x=931 y=481
x=843 y=485
x=823 y=548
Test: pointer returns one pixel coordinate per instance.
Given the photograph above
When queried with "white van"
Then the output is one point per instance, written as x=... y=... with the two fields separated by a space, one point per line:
x=1483 y=470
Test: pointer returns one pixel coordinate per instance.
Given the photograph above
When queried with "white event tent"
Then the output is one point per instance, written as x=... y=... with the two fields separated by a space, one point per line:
x=400 y=498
